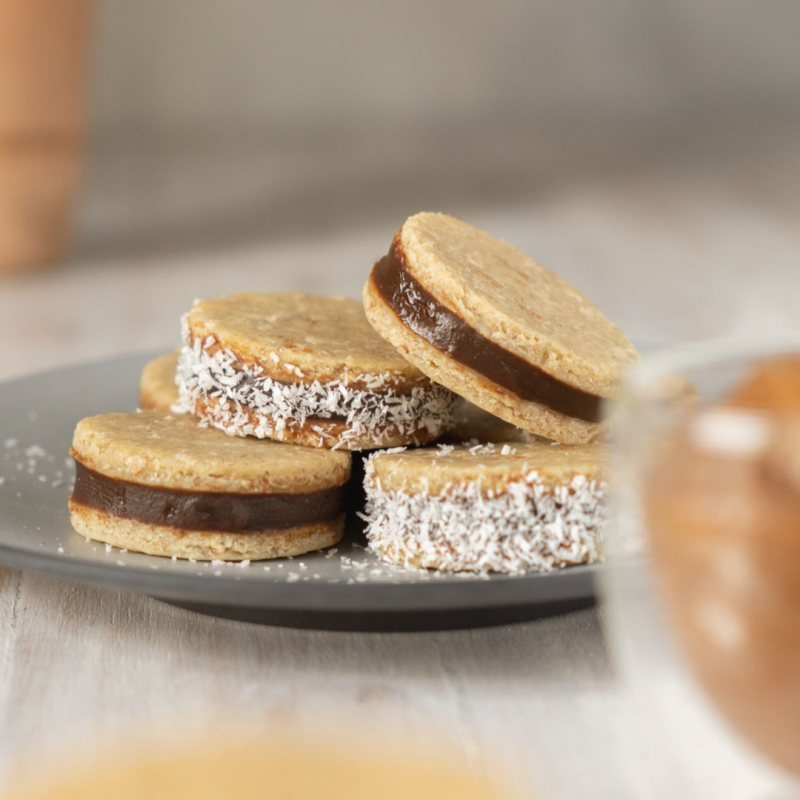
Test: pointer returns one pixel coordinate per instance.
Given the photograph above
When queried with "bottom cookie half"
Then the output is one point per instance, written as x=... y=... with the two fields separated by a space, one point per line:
x=162 y=540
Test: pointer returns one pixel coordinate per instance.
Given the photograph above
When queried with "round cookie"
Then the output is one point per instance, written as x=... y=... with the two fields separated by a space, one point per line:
x=161 y=484
x=480 y=317
x=304 y=369
x=487 y=508
x=157 y=388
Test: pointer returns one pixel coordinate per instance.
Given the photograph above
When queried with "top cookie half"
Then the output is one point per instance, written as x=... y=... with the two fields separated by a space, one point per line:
x=306 y=369
x=482 y=318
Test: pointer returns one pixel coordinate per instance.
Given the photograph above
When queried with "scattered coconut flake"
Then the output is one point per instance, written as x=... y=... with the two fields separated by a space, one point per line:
x=482 y=449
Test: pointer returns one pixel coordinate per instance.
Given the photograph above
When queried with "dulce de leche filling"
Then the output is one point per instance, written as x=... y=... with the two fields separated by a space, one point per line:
x=205 y=511
x=420 y=311
x=723 y=522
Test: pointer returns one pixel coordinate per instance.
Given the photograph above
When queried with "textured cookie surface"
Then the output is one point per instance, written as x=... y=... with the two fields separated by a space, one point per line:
x=157 y=388
x=512 y=300
x=488 y=322
x=488 y=508
x=293 y=335
x=493 y=466
x=173 y=451
x=304 y=369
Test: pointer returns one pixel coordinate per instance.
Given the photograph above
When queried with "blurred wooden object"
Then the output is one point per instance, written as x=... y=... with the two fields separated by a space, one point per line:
x=43 y=54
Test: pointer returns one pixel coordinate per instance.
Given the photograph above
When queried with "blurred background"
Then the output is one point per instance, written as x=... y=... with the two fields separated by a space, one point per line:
x=648 y=152
x=157 y=151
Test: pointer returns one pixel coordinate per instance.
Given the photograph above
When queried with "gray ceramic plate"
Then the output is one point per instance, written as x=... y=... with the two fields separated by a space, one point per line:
x=346 y=589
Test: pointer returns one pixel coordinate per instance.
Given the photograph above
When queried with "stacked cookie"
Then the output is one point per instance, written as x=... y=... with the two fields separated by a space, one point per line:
x=157 y=483
x=307 y=370
x=244 y=450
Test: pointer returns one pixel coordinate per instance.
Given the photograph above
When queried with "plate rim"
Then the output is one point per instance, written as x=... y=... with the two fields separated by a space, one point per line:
x=434 y=593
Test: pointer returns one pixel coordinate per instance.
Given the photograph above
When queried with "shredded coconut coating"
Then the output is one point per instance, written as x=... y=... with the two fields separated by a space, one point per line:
x=248 y=403
x=532 y=525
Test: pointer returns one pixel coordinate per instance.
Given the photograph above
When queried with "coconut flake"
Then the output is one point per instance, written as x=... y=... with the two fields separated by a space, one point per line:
x=532 y=525
x=247 y=403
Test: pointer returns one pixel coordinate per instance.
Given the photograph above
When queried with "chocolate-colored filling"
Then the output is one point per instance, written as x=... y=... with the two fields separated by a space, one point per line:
x=205 y=511
x=427 y=317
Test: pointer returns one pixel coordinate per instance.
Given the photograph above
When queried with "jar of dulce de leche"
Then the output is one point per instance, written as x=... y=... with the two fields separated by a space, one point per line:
x=703 y=582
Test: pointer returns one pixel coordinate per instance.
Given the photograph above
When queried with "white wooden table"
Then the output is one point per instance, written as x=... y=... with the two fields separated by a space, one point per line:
x=681 y=245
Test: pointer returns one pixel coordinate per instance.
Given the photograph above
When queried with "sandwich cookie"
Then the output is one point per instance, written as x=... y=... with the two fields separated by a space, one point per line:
x=157 y=388
x=487 y=508
x=480 y=317
x=304 y=369
x=158 y=483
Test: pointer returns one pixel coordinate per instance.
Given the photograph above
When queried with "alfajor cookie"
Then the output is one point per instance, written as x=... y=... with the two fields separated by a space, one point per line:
x=304 y=369
x=487 y=508
x=157 y=388
x=480 y=317
x=158 y=483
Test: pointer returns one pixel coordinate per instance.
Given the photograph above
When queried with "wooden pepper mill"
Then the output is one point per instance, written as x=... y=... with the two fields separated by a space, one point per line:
x=43 y=55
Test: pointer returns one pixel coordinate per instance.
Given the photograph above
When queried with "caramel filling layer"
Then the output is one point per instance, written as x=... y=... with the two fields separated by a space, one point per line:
x=205 y=511
x=420 y=311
